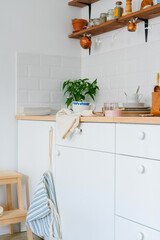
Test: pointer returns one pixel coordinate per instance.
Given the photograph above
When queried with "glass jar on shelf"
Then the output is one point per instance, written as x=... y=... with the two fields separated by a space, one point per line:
x=96 y=21
x=110 y=14
x=103 y=17
x=118 y=11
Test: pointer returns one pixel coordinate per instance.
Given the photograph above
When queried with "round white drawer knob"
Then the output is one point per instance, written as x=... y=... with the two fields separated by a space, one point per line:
x=141 y=135
x=78 y=130
x=140 y=236
x=58 y=153
x=141 y=169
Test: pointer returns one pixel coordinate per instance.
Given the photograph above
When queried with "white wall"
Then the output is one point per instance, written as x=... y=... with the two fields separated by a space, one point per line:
x=123 y=60
x=34 y=26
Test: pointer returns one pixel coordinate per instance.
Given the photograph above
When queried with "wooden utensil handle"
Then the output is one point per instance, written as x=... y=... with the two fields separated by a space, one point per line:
x=157 y=79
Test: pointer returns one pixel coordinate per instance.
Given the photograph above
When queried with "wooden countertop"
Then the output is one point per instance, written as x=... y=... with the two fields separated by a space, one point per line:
x=140 y=120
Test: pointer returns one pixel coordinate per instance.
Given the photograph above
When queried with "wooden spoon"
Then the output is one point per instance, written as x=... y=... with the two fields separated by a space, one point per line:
x=157 y=87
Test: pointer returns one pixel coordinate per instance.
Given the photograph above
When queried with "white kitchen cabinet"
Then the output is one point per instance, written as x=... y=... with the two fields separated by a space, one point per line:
x=138 y=190
x=84 y=173
x=85 y=193
x=138 y=140
x=33 y=153
x=93 y=136
x=127 y=230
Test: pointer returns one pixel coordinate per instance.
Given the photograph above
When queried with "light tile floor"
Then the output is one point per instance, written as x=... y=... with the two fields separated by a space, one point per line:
x=17 y=236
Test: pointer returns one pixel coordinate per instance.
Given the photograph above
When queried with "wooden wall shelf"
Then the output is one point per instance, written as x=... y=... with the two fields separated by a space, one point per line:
x=121 y=22
x=79 y=3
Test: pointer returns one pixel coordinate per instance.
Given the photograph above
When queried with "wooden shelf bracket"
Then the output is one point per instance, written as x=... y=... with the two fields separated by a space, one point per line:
x=89 y=8
x=146 y=24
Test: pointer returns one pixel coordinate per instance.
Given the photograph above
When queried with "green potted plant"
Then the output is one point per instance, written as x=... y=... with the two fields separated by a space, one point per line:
x=77 y=91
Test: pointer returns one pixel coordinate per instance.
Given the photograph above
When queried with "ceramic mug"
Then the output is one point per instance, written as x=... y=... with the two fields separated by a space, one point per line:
x=81 y=106
x=134 y=98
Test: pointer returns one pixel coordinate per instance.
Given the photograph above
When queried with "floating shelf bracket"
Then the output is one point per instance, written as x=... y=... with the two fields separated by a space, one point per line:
x=89 y=8
x=146 y=24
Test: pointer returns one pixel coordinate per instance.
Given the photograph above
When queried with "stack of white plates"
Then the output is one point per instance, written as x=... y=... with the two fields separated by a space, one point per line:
x=135 y=109
x=40 y=111
x=133 y=105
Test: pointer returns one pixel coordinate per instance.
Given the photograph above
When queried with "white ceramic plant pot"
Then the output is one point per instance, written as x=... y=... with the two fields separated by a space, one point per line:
x=78 y=107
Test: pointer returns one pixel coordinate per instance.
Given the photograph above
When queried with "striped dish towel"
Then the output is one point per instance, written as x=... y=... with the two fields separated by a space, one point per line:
x=43 y=216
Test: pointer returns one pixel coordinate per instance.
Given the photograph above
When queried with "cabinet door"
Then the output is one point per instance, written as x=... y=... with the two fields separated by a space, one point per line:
x=33 y=154
x=138 y=190
x=85 y=193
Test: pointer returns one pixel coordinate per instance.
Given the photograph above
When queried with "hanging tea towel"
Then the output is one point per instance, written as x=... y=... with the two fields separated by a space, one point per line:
x=43 y=216
x=67 y=121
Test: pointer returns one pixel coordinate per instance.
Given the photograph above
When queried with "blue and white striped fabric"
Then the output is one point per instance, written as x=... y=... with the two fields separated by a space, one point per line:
x=43 y=216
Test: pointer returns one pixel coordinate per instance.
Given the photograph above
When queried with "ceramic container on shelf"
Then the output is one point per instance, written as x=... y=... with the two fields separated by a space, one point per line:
x=78 y=24
x=81 y=106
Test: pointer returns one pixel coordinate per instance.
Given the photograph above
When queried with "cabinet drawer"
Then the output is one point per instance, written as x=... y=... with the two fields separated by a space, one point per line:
x=126 y=230
x=138 y=140
x=138 y=190
x=93 y=136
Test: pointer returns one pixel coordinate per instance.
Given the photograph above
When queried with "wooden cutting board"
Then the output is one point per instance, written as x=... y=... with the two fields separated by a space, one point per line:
x=134 y=113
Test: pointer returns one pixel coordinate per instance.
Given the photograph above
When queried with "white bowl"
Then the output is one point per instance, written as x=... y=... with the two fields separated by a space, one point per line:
x=147 y=6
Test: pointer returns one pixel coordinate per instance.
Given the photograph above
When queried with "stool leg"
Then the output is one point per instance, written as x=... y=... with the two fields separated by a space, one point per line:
x=9 y=204
x=29 y=233
x=20 y=194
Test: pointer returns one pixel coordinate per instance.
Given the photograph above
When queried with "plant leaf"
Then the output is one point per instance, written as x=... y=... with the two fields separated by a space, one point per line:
x=68 y=102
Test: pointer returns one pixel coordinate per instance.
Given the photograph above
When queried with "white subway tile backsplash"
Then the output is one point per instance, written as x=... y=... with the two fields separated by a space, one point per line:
x=51 y=60
x=27 y=84
x=28 y=59
x=39 y=97
x=117 y=81
x=123 y=70
x=71 y=62
x=61 y=73
x=22 y=97
x=50 y=85
x=40 y=78
x=56 y=97
x=22 y=70
x=39 y=71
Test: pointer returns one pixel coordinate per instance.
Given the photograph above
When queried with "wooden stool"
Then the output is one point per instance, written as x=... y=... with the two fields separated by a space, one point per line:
x=11 y=214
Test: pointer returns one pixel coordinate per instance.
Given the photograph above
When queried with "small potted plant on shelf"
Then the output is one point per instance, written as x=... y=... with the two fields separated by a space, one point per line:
x=77 y=91
x=78 y=24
